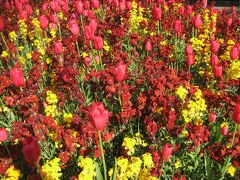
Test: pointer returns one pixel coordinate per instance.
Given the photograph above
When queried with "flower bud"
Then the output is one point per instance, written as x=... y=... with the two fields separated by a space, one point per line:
x=234 y=53
x=214 y=60
x=148 y=46
x=17 y=76
x=197 y=21
x=188 y=49
x=157 y=13
x=212 y=117
x=43 y=22
x=224 y=130
x=177 y=26
x=73 y=26
x=217 y=71
x=214 y=46
x=3 y=135
x=167 y=152
x=98 y=43
x=58 y=48
x=236 y=113
x=120 y=72
x=190 y=59
x=79 y=7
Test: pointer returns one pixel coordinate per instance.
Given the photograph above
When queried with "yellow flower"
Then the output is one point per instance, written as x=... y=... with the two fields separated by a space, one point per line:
x=147 y=160
x=182 y=92
x=51 y=110
x=178 y=164
x=84 y=54
x=129 y=144
x=51 y=98
x=12 y=173
x=52 y=169
x=4 y=54
x=88 y=168
x=231 y=170
x=134 y=168
x=13 y=36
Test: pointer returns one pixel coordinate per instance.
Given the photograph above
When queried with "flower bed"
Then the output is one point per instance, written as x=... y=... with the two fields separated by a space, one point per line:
x=119 y=89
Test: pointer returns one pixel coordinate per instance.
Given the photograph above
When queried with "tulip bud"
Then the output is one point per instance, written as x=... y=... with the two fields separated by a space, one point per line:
x=212 y=117
x=181 y=10
x=190 y=59
x=157 y=13
x=89 y=32
x=17 y=76
x=214 y=46
x=1 y=23
x=43 y=22
x=177 y=26
x=167 y=152
x=29 y=9
x=188 y=49
x=3 y=135
x=86 y=4
x=98 y=43
x=204 y=3
x=31 y=151
x=197 y=21
x=214 y=60
x=54 y=18
x=95 y=4
x=229 y=21
x=99 y=115
x=224 y=130
x=87 y=61
x=234 y=53
x=55 y=6
x=148 y=46
x=97 y=59
x=189 y=10
x=236 y=113
x=58 y=48
x=120 y=72
x=122 y=5
x=93 y=23
x=217 y=71
x=73 y=26
x=79 y=7
x=129 y=5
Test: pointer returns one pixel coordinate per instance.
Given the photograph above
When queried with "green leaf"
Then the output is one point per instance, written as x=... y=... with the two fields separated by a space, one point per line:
x=207 y=166
x=98 y=172
x=114 y=177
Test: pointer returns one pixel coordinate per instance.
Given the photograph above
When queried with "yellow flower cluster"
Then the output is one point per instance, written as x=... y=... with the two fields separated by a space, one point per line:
x=195 y=109
x=12 y=36
x=12 y=174
x=88 y=168
x=136 y=16
x=234 y=70
x=51 y=169
x=67 y=117
x=182 y=92
x=134 y=168
x=22 y=28
x=130 y=143
x=51 y=99
x=231 y=170
x=198 y=44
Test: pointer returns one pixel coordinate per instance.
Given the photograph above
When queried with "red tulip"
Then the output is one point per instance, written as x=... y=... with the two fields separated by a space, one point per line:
x=190 y=59
x=98 y=43
x=204 y=3
x=31 y=151
x=214 y=60
x=189 y=10
x=177 y=26
x=167 y=151
x=55 y=6
x=148 y=46
x=29 y=9
x=214 y=46
x=43 y=22
x=157 y=13
x=224 y=130
x=129 y=5
x=87 y=61
x=73 y=26
x=197 y=21
x=217 y=71
x=99 y=115
x=95 y=4
x=1 y=23
x=236 y=113
x=79 y=7
x=229 y=21
x=3 y=135
x=120 y=72
x=54 y=18
x=122 y=5
x=89 y=32
x=188 y=49
x=58 y=48
x=93 y=23
x=17 y=76
x=234 y=53
x=181 y=10
x=212 y=117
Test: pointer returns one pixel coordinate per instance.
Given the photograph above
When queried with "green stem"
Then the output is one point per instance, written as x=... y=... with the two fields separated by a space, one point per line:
x=78 y=49
x=4 y=41
x=39 y=172
x=103 y=158
x=9 y=154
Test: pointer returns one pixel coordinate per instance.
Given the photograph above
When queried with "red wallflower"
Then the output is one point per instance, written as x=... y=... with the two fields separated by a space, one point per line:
x=167 y=151
x=236 y=114
x=1 y=23
x=31 y=151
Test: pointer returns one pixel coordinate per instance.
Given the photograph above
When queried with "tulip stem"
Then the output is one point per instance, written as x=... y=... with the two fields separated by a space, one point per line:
x=39 y=172
x=9 y=154
x=4 y=41
x=103 y=158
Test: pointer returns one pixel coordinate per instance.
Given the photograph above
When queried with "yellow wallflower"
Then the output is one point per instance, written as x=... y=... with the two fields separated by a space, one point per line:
x=178 y=164
x=134 y=168
x=12 y=173
x=182 y=92
x=52 y=170
x=129 y=144
x=13 y=36
x=51 y=97
x=147 y=160
x=88 y=168
x=231 y=170
x=4 y=54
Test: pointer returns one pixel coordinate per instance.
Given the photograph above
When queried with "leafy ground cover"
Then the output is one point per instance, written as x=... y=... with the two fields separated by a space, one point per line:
x=119 y=89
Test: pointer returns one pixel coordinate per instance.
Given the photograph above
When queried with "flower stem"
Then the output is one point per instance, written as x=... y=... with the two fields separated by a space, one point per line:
x=4 y=41
x=9 y=154
x=103 y=158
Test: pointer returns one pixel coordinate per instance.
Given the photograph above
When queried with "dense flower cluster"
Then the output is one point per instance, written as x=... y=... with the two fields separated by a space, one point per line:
x=120 y=89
